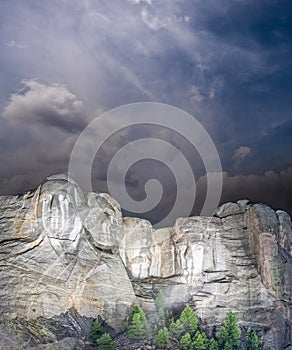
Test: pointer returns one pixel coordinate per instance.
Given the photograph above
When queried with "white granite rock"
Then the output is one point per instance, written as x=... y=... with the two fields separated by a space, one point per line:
x=61 y=249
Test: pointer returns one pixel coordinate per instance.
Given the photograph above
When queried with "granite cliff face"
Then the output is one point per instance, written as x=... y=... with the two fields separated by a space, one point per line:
x=64 y=253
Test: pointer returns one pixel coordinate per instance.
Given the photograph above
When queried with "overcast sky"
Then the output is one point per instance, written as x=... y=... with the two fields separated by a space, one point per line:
x=228 y=63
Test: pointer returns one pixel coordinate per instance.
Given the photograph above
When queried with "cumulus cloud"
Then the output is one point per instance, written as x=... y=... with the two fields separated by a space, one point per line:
x=110 y=53
x=52 y=105
x=40 y=125
x=241 y=153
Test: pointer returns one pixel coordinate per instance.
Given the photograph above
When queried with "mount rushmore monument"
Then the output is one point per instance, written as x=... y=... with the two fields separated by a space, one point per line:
x=62 y=249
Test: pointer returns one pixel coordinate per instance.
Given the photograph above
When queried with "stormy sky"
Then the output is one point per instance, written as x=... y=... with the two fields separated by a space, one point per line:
x=227 y=63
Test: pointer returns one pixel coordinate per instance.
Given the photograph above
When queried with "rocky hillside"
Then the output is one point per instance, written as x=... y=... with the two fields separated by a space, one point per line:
x=67 y=257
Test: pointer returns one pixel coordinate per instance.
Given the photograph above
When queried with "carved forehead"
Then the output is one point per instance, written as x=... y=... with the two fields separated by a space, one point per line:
x=57 y=186
x=62 y=187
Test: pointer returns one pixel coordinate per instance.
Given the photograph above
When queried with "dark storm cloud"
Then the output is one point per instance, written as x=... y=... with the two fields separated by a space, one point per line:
x=40 y=123
x=228 y=63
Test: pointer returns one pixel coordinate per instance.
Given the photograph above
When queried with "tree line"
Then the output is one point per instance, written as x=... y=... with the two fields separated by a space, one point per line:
x=183 y=332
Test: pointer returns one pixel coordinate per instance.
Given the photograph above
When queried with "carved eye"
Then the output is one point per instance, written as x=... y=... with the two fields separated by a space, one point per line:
x=47 y=198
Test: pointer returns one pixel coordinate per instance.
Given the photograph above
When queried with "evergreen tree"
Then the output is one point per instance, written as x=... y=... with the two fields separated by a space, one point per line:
x=95 y=332
x=137 y=329
x=162 y=339
x=252 y=341
x=186 y=342
x=189 y=320
x=200 y=341
x=213 y=345
x=176 y=328
x=105 y=342
x=134 y=310
x=229 y=335
x=160 y=304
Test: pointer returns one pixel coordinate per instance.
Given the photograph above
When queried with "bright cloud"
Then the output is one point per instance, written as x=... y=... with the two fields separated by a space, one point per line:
x=52 y=105
x=241 y=153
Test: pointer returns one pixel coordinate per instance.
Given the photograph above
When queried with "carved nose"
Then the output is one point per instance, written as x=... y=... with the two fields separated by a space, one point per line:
x=55 y=203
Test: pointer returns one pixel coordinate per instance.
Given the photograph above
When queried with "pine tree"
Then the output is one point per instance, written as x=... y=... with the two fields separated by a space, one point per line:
x=95 y=332
x=134 y=310
x=213 y=345
x=138 y=327
x=160 y=301
x=186 y=342
x=105 y=342
x=229 y=335
x=189 y=320
x=176 y=328
x=252 y=341
x=162 y=339
x=200 y=341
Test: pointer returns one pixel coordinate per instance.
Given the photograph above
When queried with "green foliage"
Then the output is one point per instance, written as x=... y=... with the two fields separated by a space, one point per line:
x=95 y=332
x=213 y=345
x=176 y=328
x=160 y=312
x=160 y=304
x=162 y=339
x=200 y=341
x=186 y=342
x=105 y=342
x=160 y=300
x=189 y=320
x=134 y=310
x=138 y=327
x=168 y=314
x=229 y=335
x=252 y=341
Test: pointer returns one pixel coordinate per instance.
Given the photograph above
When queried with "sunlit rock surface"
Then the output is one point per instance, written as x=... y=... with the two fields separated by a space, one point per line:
x=61 y=249
x=56 y=253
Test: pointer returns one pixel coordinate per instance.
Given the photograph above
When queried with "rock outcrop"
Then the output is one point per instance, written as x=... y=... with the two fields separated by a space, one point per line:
x=61 y=250
x=57 y=253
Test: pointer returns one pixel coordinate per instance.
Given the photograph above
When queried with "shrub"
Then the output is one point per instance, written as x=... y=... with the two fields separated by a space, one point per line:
x=229 y=335
x=201 y=341
x=252 y=341
x=162 y=339
x=186 y=341
x=105 y=342
x=189 y=320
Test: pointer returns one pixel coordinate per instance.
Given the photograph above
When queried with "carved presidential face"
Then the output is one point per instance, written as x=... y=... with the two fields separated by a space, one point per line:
x=61 y=206
x=104 y=220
